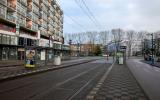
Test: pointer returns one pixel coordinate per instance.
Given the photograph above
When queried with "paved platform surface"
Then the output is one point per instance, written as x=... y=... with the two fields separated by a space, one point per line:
x=120 y=84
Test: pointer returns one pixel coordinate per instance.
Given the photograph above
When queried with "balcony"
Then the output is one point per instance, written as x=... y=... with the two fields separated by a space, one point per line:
x=34 y=27
x=24 y=2
x=29 y=24
x=29 y=7
x=2 y=12
x=43 y=8
x=35 y=9
x=36 y=2
x=11 y=18
x=45 y=2
x=22 y=23
x=4 y=2
x=29 y=15
x=11 y=5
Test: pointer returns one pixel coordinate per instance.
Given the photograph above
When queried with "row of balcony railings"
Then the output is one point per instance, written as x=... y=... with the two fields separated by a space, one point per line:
x=24 y=3
x=24 y=13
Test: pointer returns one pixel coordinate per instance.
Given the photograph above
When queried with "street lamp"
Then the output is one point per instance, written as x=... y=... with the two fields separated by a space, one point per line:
x=152 y=60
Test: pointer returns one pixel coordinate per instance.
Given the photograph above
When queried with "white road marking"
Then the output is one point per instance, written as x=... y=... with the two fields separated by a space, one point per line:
x=75 y=77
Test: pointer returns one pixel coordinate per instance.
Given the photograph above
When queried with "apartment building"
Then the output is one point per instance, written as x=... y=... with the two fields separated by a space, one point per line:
x=30 y=24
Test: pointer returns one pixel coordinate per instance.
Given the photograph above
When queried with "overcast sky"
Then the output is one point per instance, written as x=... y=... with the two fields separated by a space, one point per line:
x=126 y=14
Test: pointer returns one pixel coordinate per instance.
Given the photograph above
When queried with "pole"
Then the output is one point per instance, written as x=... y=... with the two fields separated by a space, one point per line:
x=152 y=50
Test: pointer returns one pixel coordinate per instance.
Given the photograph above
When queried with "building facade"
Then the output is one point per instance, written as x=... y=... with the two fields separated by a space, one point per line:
x=30 y=24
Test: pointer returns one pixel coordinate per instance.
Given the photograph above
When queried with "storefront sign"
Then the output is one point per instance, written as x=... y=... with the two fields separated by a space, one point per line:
x=20 y=49
x=43 y=55
x=30 y=58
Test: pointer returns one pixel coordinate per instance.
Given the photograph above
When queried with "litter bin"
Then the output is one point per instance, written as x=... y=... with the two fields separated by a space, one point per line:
x=57 y=60
x=120 y=60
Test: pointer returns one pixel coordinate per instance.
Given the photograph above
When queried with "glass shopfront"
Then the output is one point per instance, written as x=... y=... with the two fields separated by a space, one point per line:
x=8 y=50
x=13 y=53
x=49 y=55
x=21 y=53
x=5 y=53
x=0 y=38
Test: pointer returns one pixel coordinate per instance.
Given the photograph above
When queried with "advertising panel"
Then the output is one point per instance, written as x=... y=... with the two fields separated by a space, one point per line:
x=30 y=58
x=43 y=55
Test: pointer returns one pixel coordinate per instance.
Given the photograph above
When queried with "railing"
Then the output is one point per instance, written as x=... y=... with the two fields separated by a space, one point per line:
x=22 y=24
x=11 y=18
x=29 y=15
x=34 y=27
x=29 y=26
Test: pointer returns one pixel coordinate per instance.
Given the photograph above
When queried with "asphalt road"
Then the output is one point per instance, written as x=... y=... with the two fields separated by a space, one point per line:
x=72 y=83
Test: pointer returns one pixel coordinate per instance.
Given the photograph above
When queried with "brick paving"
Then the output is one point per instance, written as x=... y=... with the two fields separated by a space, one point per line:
x=120 y=85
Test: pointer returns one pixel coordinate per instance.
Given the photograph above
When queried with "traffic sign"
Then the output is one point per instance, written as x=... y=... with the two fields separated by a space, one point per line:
x=123 y=47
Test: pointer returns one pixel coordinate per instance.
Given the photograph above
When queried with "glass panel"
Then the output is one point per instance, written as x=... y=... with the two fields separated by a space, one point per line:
x=12 y=40
x=8 y=39
x=21 y=41
x=4 y=39
x=13 y=54
x=38 y=54
x=5 y=52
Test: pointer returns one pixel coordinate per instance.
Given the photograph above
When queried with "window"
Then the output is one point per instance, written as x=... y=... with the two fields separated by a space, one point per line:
x=28 y=42
x=21 y=41
x=4 y=39
x=8 y=39
x=13 y=53
x=0 y=53
x=13 y=40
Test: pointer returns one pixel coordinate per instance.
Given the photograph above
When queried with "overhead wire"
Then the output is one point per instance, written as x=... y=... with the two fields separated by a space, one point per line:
x=88 y=15
x=91 y=14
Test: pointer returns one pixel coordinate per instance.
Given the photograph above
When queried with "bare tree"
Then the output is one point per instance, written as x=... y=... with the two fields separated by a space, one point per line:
x=92 y=37
x=117 y=37
x=103 y=37
x=131 y=37
x=68 y=37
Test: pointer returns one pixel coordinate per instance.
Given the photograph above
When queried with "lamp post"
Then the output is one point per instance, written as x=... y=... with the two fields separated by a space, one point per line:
x=152 y=50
